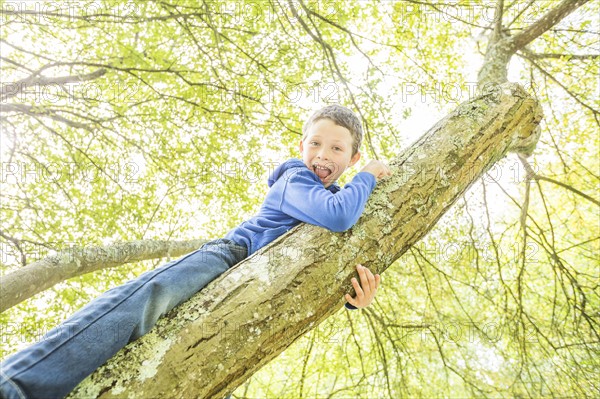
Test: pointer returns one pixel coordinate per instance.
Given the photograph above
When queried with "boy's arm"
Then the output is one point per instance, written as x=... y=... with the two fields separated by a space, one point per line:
x=307 y=200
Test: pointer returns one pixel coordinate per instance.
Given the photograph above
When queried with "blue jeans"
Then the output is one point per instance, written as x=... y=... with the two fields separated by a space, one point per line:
x=70 y=352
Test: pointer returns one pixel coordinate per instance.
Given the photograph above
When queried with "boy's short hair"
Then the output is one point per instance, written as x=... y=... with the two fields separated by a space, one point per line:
x=341 y=116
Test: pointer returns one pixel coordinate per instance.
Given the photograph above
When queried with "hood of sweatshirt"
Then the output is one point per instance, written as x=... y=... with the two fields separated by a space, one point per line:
x=295 y=163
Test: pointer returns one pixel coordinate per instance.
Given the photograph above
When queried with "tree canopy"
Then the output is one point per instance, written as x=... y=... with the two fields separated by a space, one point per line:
x=125 y=121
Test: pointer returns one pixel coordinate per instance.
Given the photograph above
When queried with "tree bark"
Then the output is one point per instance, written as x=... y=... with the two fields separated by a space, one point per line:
x=215 y=341
x=41 y=275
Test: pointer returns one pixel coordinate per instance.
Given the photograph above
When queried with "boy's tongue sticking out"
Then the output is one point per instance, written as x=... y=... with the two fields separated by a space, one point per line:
x=322 y=172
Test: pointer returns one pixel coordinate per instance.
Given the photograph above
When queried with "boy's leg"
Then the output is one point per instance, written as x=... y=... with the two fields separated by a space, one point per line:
x=54 y=366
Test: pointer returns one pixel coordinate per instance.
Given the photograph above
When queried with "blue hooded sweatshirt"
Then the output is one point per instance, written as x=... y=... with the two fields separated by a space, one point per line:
x=297 y=195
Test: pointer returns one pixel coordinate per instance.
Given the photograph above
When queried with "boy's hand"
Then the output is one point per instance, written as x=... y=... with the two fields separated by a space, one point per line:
x=366 y=293
x=377 y=169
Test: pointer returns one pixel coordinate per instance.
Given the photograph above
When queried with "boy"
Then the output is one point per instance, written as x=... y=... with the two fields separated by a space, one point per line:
x=300 y=191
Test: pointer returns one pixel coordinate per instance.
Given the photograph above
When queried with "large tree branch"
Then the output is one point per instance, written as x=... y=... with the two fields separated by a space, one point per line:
x=565 y=56
x=13 y=89
x=212 y=343
x=501 y=48
x=41 y=275
x=550 y=19
x=497 y=32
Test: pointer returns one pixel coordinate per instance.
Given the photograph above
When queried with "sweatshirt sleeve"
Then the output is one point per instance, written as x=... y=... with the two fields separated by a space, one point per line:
x=349 y=306
x=306 y=199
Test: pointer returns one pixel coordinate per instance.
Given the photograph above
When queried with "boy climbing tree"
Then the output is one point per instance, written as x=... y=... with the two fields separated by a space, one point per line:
x=301 y=190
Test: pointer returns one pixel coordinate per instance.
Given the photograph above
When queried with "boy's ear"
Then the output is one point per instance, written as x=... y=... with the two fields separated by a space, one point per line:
x=355 y=158
x=301 y=146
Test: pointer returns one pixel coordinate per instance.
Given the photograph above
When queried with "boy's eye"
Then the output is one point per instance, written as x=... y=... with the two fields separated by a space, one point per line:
x=337 y=148
x=314 y=143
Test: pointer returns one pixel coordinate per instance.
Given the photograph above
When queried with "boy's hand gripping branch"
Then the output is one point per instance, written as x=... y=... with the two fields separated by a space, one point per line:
x=377 y=169
x=366 y=289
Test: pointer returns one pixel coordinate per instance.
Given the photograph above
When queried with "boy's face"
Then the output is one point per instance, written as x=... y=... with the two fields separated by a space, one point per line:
x=327 y=150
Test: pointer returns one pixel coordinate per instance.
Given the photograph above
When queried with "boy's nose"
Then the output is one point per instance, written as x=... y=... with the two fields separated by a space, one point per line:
x=323 y=154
